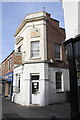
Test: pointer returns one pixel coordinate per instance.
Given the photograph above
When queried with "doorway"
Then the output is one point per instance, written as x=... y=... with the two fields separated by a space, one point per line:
x=35 y=89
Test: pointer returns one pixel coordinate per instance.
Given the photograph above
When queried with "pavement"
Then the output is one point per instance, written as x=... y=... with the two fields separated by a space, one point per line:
x=12 y=110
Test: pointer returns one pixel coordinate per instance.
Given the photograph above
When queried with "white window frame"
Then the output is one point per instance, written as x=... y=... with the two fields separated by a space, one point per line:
x=62 y=83
x=32 y=57
x=56 y=58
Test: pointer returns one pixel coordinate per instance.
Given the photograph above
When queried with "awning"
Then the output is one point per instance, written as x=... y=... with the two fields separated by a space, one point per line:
x=7 y=77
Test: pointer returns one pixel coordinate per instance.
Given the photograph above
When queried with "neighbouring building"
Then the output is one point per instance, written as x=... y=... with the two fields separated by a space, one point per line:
x=72 y=26
x=6 y=73
x=43 y=76
x=71 y=17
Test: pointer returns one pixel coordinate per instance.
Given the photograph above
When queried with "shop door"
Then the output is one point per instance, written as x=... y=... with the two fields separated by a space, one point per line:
x=35 y=90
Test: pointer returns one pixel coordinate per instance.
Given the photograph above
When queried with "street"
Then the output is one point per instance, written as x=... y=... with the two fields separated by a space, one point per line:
x=11 y=110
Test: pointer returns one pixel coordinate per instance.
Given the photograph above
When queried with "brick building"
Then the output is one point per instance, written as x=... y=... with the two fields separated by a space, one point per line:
x=6 y=72
x=43 y=76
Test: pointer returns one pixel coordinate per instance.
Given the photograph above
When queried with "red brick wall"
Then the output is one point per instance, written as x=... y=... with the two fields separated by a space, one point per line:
x=4 y=69
x=55 y=35
x=15 y=59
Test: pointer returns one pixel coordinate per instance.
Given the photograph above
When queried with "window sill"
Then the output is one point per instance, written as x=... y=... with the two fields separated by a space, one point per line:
x=59 y=91
x=33 y=58
x=60 y=60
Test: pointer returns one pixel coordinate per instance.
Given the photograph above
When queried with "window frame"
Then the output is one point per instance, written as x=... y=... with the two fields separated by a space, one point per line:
x=32 y=57
x=9 y=64
x=62 y=83
x=19 y=49
x=57 y=53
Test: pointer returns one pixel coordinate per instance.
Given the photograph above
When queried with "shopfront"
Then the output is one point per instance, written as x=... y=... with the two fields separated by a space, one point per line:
x=7 y=81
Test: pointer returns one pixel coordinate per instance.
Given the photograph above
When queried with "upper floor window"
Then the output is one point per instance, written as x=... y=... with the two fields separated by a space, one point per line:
x=35 y=49
x=58 y=80
x=9 y=64
x=19 y=49
x=3 y=68
x=57 y=51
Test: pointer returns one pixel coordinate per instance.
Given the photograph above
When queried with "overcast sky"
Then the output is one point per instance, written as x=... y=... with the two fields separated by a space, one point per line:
x=14 y=12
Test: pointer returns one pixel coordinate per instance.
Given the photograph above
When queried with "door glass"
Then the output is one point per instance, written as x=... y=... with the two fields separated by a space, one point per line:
x=35 y=87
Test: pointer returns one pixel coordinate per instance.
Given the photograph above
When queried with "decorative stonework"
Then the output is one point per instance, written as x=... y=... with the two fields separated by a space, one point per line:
x=19 y=38
x=35 y=32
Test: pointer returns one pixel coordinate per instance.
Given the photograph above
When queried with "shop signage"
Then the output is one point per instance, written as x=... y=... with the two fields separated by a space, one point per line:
x=18 y=58
x=8 y=76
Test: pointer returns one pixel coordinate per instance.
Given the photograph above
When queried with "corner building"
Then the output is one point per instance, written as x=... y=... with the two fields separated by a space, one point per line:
x=42 y=78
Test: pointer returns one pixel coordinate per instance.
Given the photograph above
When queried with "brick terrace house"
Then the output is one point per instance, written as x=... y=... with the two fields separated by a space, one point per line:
x=6 y=72
x=43 y=76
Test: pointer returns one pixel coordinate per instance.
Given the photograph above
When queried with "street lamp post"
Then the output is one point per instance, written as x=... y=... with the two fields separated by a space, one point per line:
x=72 y=47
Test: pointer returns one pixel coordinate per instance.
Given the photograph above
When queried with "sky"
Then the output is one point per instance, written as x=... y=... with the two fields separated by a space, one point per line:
x=14 y=12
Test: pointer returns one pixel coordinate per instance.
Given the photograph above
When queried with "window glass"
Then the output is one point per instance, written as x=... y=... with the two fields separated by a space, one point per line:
x=35 y=87
x=35 y=83
x=18 y=77
x=35 y=49
x=78 y=64
x=58 y=80
x=19 y=49
x=77 y=48
x=57 y=51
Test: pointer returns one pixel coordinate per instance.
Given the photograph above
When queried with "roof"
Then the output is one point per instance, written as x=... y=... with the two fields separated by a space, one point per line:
x=7 y=56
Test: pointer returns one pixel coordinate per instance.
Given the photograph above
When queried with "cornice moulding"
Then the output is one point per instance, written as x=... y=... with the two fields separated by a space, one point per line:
x=30 y=20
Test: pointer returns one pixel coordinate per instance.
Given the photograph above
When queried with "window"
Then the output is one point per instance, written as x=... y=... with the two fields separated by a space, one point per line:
x=78 y=64
x=57 y=51
x=35 y=49
x=19 y=49
x=18 y=77
x=9 y=64
x=58 y=80
x=19 y=82
x=3 y=68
